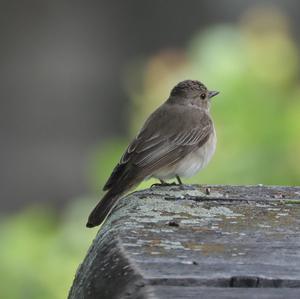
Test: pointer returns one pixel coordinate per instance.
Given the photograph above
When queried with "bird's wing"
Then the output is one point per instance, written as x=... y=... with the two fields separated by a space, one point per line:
x=168 y=150
x=164 y=146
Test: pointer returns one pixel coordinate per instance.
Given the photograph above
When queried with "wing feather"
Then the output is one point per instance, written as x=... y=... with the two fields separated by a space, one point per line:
x=174 y=147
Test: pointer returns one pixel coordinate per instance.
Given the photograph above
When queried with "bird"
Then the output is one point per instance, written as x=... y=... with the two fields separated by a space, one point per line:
x=177 y=140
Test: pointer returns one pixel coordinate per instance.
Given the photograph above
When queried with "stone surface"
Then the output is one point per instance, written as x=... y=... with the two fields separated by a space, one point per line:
x=197 y=242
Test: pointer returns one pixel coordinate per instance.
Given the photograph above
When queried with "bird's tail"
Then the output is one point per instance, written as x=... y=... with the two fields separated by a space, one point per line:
x=102 y=209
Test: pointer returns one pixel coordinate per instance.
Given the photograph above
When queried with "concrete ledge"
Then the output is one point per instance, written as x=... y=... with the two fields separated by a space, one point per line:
x=197 y=242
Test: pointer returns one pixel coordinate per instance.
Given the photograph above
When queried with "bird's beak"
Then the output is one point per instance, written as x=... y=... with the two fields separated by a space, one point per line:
x=212 y=94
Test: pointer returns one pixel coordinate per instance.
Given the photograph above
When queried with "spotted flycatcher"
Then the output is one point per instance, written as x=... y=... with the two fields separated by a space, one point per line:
x=177 y=140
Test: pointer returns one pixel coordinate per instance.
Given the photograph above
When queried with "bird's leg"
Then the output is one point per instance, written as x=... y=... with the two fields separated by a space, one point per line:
x=163 y=183
x=178 y=180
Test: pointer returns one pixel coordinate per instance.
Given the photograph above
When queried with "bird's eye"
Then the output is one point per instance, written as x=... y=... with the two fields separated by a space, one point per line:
x=203 y=96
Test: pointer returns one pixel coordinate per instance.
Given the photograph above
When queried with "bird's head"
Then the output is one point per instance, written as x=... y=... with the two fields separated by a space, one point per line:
x=192 y=92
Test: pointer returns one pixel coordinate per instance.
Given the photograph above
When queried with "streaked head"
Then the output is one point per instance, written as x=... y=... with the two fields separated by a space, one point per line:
x=192 y=92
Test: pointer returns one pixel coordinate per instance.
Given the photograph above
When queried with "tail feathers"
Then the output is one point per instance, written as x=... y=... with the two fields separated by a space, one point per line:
x=102 y=209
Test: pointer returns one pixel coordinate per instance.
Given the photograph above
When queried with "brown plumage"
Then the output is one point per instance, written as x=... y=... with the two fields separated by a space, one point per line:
x=169 y=140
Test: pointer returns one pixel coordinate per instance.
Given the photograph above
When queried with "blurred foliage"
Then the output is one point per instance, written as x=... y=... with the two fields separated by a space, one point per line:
x=255 y=66
x=41 y=252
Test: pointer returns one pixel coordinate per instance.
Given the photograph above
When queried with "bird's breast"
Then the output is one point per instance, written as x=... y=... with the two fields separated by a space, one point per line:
x=198 y=159
x=193 y=162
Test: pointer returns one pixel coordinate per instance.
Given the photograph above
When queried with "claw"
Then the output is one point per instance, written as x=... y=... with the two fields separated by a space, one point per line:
x=164 y=184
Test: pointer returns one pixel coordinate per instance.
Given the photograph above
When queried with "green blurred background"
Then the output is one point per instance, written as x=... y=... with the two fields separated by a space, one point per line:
x=252 y=59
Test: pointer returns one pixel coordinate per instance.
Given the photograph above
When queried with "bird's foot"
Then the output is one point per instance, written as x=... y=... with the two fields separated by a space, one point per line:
x=163 y=184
